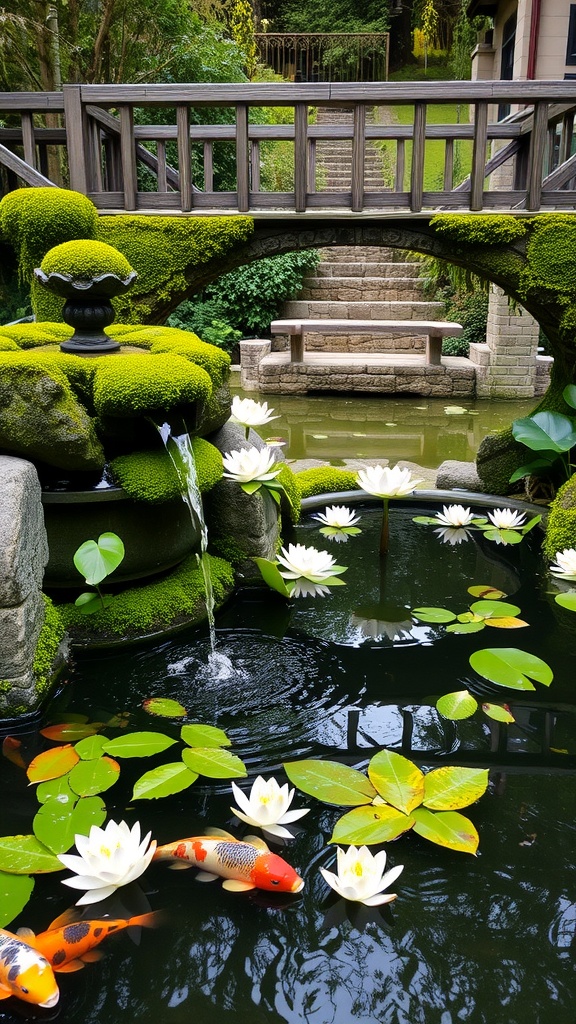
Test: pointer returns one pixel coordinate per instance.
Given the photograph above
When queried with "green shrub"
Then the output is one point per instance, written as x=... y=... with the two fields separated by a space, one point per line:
x=33 y=220
x=134 y=385
x=85 y=259
x=561 y=523
x=150 y=475
x=471 y=311
x=325 y=480
x=491 y=230
x=35 y=335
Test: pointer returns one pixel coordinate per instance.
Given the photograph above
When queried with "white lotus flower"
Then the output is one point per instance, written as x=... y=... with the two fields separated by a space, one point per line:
x=267 y=806
x=249 y=413
x=305 y=588
x=361 y=876
x=301 y=562
x=250 y=464
x=566 y=563
x=455 y=516
x=506 y=518
x=109 y=858
x=386 y=481
x=452 y=535
x=338 y=516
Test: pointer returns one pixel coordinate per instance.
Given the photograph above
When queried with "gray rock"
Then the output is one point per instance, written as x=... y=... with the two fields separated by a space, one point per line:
x=455 y=475
x=20 y=628
x=23 y=544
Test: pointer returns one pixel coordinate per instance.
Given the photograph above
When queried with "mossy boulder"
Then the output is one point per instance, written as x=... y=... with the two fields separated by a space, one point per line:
x=138 y=385
x=150 y=476
x=33 y=220
x=498 y=457
x=325 y=480
x=85 y=259
x=561 y=522
x=41 y=419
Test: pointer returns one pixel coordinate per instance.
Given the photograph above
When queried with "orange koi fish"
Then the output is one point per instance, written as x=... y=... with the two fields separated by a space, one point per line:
x=25 y=973
x=68 y=944
x=245 y=865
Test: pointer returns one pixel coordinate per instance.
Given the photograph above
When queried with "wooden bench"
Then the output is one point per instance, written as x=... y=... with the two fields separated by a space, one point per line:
x=434 y=330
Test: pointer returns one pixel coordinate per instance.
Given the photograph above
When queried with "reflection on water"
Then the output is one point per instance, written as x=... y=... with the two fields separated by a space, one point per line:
x=337 y=427
x=470 y=940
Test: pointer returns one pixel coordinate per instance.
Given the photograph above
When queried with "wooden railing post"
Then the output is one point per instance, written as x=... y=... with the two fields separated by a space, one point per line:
x=538 y=140
x=300 y=156
x=184 y=157
x=128 y=157
x=478 y=156
x=242 y=158
x=76 y=139
x=418 y=151
x=358 y=158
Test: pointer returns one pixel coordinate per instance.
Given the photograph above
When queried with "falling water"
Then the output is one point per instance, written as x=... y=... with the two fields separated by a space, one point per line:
x=180 y=450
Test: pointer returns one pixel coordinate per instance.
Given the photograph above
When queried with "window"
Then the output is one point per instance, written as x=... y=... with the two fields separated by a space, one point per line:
x=507 y=62
x=571 y=47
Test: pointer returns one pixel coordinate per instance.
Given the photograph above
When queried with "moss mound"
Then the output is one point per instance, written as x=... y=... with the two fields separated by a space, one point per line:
x=290 y=503
x=325 y=480
x=479 y=230
x=36 y=335
x=151 y=476
x=561 y=523
x=33 y=220
x=176 y=600
x=85 y=259
x=133 y=385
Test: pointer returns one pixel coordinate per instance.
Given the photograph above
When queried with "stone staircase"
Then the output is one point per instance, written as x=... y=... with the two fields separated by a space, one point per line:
x=360 y=283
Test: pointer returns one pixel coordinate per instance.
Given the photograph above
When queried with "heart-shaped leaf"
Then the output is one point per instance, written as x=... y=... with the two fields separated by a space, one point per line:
x=373 y=824
x=569 y=395
x=331 y=782
x=52 y=763
x=450 y=788
x=214 y=762
x=53 y=788
x=15 y=891
x=138 y=744
x=163 y=781
x=196 y=735
x=95 y=560
x=508 y=666
x=25 y=855
x=447 y=828
x=90 y=748
x=466 y=627
x=550 y=431
x=457 y=705
x=398 y=780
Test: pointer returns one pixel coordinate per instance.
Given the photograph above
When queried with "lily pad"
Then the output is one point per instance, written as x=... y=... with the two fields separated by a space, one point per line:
x=487 y=593
x=450 y=788
x=25 y=855
x=373 y=824
x=331 y=782
x=52 y=763
x=566 y=601
x=68 y=732
x=196 y=735
x=499 y=712
x=164 y=781
x=457 y=706
x=15 y=891
x=88 y=778
x=436 y=615
x=138 y=744
x=60 y=819
x=488 y=608
x=511 y=667
x=164 y=707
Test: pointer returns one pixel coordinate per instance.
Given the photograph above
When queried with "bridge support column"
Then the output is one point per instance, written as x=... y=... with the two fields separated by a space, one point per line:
x=508 y=365
x=251 y=354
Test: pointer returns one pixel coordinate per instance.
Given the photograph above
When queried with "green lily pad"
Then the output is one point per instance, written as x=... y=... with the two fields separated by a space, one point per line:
x=457 y=706
x=25 y=855
x=164 y=781
x=164 y=707
x=372 y=824
x=196 y=735
x=15 y=891
x=331 y=782
x=508 y=666
x=88 y=778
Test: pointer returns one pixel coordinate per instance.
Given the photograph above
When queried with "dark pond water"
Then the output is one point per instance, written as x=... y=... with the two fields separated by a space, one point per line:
x=480 y=940
x=422 y=430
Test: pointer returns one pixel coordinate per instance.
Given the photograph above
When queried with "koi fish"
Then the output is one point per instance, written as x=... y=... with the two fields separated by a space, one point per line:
x=244 y=865
x=68 y=944
x=25 y=973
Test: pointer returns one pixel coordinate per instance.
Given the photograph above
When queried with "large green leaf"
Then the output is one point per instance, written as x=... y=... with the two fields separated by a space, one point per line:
x=24 y=855
x=138 y=744
x=331 y=782
x=466 y=627
x=88 y=778
x=54 y=787
x=164 y=707
x=566 y=601
x=52 y=763
x=15 y=891
x=271 y=575
x=546 y=431
x=163 y=781
x=397 y=779
x=90 y=748
x=450 y=788
x=58 y=821
x=436 y=615
x=569 y=395
x=499 y=608
x=457 y=705
x=544 y=461
x=213 y=762
x=196 y=735
x=508 y=666
x=447 y=828
x=373 y=824
x=95 y=560
x=499 y=712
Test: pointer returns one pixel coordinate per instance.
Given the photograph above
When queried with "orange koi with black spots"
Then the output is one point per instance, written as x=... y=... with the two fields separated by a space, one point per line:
x=69 y=944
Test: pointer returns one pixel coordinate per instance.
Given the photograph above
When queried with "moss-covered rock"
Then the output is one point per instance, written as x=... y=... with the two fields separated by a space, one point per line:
x=36 y=335
x=491 y=230
x=561 y=522
x=137 y=385
x=176 y=600
x=325 y=480
x=85 y=259
x=41 y=419
x=290 y=499
x=48 y=647
x=150 y=476
x=499 y=455
x=34 y=220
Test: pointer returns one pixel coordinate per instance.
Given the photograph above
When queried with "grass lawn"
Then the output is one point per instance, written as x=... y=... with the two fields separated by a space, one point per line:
x=437 y=113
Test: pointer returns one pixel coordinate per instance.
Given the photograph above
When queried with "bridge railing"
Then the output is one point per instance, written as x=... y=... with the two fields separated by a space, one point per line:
x=184 y=148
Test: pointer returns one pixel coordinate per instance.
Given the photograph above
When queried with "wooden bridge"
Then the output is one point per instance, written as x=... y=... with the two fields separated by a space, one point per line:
x=158 y=148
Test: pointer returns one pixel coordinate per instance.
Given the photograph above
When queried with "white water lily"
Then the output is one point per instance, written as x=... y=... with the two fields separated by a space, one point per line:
x=455 y=516
x=506 y=518
x=305 y=588
x=386 y=481
x=452 y=534
x=109 y=858
x=338 y=516
x=267 y=806
x=565 y=563
x=361 y=876
x=249 y=413
x=301 y=562
x=250 y=464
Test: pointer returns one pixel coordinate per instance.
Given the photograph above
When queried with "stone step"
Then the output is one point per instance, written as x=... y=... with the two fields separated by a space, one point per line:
x=363 y=289
x=366 y=254
x=379 y=310
x=327 y=268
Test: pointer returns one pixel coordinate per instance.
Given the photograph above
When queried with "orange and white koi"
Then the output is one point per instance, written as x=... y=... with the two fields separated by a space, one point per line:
x=25 y=973
x=244 y=865
x=69 y=943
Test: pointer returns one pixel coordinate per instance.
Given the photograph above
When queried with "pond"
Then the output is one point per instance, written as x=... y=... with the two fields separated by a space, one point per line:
x=484 y=939
x=422 y=430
